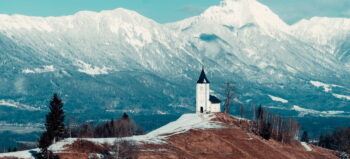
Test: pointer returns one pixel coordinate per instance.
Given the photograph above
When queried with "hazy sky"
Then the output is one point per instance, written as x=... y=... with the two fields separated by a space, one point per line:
x=172 y=10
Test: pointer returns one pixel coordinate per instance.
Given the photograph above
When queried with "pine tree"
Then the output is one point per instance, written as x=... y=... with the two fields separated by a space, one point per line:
x=54 y=127
x=125 y=116
x=305 y=137
x=55 y=119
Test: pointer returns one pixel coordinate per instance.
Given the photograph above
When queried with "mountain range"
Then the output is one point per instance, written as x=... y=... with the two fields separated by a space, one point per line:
x=120 y=61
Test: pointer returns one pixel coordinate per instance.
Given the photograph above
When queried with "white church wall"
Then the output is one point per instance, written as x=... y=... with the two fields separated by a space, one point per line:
x=202 y=97
x=215 y=107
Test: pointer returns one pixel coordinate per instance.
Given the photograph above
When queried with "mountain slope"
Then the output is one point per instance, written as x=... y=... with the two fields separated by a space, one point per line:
x=331 y=34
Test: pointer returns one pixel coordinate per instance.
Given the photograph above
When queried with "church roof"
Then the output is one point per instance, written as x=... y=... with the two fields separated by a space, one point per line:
x=213 y=99
x=203 y=78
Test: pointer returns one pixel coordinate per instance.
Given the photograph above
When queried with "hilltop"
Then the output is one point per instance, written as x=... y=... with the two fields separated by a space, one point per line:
x=191 y=136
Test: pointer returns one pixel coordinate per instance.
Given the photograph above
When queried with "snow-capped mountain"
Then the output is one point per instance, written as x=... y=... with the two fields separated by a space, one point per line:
x=330 y=34
x=235 y=14
x=119 y=60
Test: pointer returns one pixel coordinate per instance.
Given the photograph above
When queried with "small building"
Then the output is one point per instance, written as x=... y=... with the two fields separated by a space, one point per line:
x=206 y=103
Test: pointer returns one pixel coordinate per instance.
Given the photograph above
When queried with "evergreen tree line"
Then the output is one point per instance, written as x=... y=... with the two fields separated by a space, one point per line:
x=338 y=140
x=56 y=130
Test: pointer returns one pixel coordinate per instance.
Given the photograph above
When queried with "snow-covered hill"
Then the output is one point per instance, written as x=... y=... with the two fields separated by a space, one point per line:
x=119 y=60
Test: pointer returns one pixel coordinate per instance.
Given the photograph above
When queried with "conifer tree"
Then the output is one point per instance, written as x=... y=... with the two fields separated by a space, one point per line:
x=55 y=119
x=305 y=137
x=54 y=127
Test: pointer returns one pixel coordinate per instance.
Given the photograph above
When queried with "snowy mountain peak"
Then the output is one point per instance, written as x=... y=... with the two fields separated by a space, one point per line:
x=117 y=13
x=334 y=33
x=239 y=13
x=79 y=20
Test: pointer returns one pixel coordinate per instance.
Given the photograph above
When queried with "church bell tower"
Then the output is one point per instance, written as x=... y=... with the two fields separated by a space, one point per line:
x=202 y=94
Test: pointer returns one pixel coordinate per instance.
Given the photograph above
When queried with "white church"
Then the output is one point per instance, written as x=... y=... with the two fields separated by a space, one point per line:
x=205 y=103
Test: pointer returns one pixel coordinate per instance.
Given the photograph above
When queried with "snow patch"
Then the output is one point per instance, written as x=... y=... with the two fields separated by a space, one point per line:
x=60 y=146
x=250 y=52
x=162 y=112
x=292 y=70
x=48 y=68
x=277 y=107
x=262 y=65
x=304 y=111
x=27 y=154
x=14 y=104
x=158 y=136
x=91 y=70
x=278 y=99
x=307 y=147
x=181 y=125
x=340 y=96
x=326 y=87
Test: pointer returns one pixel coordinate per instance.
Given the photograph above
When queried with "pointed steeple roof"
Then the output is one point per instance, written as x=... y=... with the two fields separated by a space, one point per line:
x=203 y=78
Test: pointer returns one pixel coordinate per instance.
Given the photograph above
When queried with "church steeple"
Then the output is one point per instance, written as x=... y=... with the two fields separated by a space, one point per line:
x=205 y=103
x=203 y=78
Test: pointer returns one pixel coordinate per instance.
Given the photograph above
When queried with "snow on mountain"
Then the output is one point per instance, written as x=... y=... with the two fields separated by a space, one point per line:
x=119 y=59
x=118 y=37
x=278 y=99
x=326 y=87
x=49 y=68
x=330 y=34
x=330 y=113
x=237 y=14
x=90 y=70
x=246 y=37
x=14 y=104
x=340 y=96
x=323 y=30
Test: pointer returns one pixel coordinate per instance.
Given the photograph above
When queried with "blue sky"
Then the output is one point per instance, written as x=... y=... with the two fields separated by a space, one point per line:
x=172 y=10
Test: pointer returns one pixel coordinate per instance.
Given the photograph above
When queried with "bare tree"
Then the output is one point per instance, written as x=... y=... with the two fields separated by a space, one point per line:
x=121 y=149
x=122 y=127
x=230 y=94
x=270 y=125
x=253 y=107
